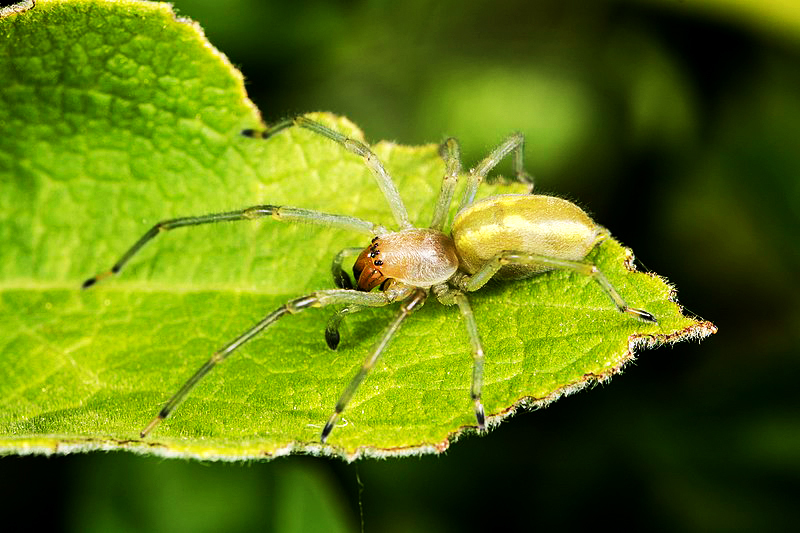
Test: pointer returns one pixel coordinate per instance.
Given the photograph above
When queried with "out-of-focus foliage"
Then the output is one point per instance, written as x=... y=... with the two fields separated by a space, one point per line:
x=677 y=127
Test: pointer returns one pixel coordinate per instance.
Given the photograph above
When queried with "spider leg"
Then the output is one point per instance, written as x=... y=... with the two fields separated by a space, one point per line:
x=382 y=177
x=514 y=143
x=341 y=278
x=280 y=213
x=332 y=336
x=586 y=268
x=413 y=302
x=316 y=299
x=449 y=296
x=519 y=165
x=451 y=154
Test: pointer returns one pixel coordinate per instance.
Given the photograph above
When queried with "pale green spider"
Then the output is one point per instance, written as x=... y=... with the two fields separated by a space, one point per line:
x=506 y=236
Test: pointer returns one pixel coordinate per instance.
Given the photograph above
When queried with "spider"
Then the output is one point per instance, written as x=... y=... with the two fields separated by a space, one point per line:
x=510 y=236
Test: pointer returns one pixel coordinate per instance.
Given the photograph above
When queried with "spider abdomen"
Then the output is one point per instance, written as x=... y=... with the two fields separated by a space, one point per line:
x=419 y=257
x=537 y=224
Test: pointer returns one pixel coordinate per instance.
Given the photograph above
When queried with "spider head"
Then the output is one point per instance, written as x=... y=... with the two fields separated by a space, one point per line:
x=367 y=268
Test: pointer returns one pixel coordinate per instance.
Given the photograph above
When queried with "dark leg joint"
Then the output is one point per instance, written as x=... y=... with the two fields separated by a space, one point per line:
x=642 y=315
x=332 y=338
x=326 y=431
x=91 y=281
x=480 y=416
x=301 y=303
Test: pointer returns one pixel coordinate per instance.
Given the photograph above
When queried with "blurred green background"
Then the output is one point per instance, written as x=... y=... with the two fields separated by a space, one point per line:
x=677 y=124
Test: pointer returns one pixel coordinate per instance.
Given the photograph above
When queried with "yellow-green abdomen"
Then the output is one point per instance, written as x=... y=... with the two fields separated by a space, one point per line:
x=542 y=225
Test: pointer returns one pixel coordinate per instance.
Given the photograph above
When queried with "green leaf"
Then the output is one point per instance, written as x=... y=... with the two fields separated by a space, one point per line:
x=115 y=115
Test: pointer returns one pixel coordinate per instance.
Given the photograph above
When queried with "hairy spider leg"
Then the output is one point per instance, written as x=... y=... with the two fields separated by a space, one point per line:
x=332 y=336
x=586 y=268
x=340 y=277
x=280 y=213
x=297 y=305
x=342 y=280
x=450 y=152
x=374 y=164
x=514 y=143
x=448 y=295
x=477 y=357
x=413 y=302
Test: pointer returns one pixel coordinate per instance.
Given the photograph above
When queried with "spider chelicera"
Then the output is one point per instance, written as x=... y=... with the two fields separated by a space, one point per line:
x=509 y=236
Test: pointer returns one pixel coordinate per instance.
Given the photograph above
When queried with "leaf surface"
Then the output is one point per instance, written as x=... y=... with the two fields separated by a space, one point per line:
x=116 y=115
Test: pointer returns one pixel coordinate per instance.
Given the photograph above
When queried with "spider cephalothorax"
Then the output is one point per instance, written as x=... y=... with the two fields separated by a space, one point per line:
x=418 y=257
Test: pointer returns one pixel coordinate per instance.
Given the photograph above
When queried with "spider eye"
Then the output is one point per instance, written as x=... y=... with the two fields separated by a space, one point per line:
x=365 y=270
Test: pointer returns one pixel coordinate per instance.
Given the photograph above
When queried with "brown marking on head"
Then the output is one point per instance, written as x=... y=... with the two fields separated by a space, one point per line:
x=367 y=268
